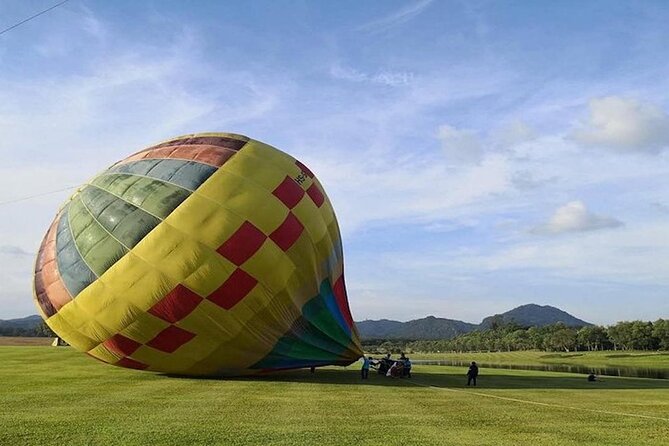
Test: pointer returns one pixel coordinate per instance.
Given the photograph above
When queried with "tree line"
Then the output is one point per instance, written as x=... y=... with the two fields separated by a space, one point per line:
x=39 y=330
x=634 y=335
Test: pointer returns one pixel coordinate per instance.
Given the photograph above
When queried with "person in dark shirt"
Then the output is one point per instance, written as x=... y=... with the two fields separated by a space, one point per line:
x=407 y=367
x=472 y=373
x=384 y=364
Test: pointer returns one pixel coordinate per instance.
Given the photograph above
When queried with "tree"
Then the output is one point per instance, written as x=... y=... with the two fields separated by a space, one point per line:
x=641 y=336
x=661 y=333
x=535 y=338
x=43 y=330
x=621 y=335
x=593 y=337
x=561 y=338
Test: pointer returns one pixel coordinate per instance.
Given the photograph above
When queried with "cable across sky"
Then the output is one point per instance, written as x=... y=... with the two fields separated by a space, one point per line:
x=34 y=16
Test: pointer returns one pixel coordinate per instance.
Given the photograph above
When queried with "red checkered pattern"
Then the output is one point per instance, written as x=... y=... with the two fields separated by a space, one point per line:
x=170 y=339
x=242 y=244
x=316 y=195
x=234 y=289
x=176 y=305
x=288 y=232
x=121 y=345
x=289 y=192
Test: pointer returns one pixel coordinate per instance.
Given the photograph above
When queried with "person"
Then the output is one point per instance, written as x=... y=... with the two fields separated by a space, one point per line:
x=399 y=369
x=366 y=361
x=472 y=373
x=384 y=364
x=392 y=371
x=592 y=377
x=407 y=367
x=312 y=369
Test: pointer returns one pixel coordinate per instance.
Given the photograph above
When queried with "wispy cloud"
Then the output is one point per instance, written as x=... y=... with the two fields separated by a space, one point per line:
x=59 y=127
x=395 y=18
x=513 y=134
x=460 y=146
x=381 y=77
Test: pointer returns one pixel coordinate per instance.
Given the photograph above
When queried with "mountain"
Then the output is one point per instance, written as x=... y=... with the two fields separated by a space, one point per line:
x=25 y=326
x=438 y=328
x=426 y=328
x=24 y=322
x=381 y=329
x=534 y=315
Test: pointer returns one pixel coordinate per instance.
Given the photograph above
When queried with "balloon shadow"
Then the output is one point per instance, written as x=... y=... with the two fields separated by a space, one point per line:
x=508 y=379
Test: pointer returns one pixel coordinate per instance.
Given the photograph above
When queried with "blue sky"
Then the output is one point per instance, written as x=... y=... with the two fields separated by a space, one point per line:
x=479 y=155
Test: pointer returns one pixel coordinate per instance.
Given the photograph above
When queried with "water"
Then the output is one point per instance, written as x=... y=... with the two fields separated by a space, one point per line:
x=632 y=372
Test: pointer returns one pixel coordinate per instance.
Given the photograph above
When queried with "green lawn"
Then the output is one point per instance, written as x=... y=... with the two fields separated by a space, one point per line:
x=58 y=396
x=602 y=358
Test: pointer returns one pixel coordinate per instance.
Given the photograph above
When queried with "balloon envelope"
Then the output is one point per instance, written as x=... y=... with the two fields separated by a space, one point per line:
x=208 y=254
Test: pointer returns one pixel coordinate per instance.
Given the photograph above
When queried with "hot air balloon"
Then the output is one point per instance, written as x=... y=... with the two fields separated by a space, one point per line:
x=208 y=254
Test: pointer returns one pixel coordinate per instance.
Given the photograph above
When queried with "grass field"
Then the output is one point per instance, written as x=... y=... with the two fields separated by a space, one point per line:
x=58 y=396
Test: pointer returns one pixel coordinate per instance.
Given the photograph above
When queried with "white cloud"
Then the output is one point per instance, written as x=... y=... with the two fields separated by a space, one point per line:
x=575 y=217
x=636 y=254
x=624 y=125
x=394 y=190
x=460 y=146
x=632 y=255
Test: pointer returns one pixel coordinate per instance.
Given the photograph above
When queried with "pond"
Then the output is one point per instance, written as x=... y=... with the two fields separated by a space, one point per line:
x=632 y=372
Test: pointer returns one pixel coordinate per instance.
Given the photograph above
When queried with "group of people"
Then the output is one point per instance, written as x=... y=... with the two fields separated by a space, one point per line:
x=401 y=368
x=395 y=368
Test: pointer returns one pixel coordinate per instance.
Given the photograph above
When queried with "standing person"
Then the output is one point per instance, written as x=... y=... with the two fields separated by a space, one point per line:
x=472 y=373
x=407 y=367
x=365 y=367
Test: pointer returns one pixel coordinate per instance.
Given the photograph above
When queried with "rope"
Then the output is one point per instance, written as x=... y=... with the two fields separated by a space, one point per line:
x=538 y=403
x=29 y=197
x=33 y=17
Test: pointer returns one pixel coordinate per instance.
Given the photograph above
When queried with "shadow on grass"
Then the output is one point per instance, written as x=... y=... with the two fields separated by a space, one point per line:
x=510 y=380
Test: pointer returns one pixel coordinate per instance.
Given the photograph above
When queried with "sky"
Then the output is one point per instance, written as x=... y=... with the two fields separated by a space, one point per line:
x=479 y=155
